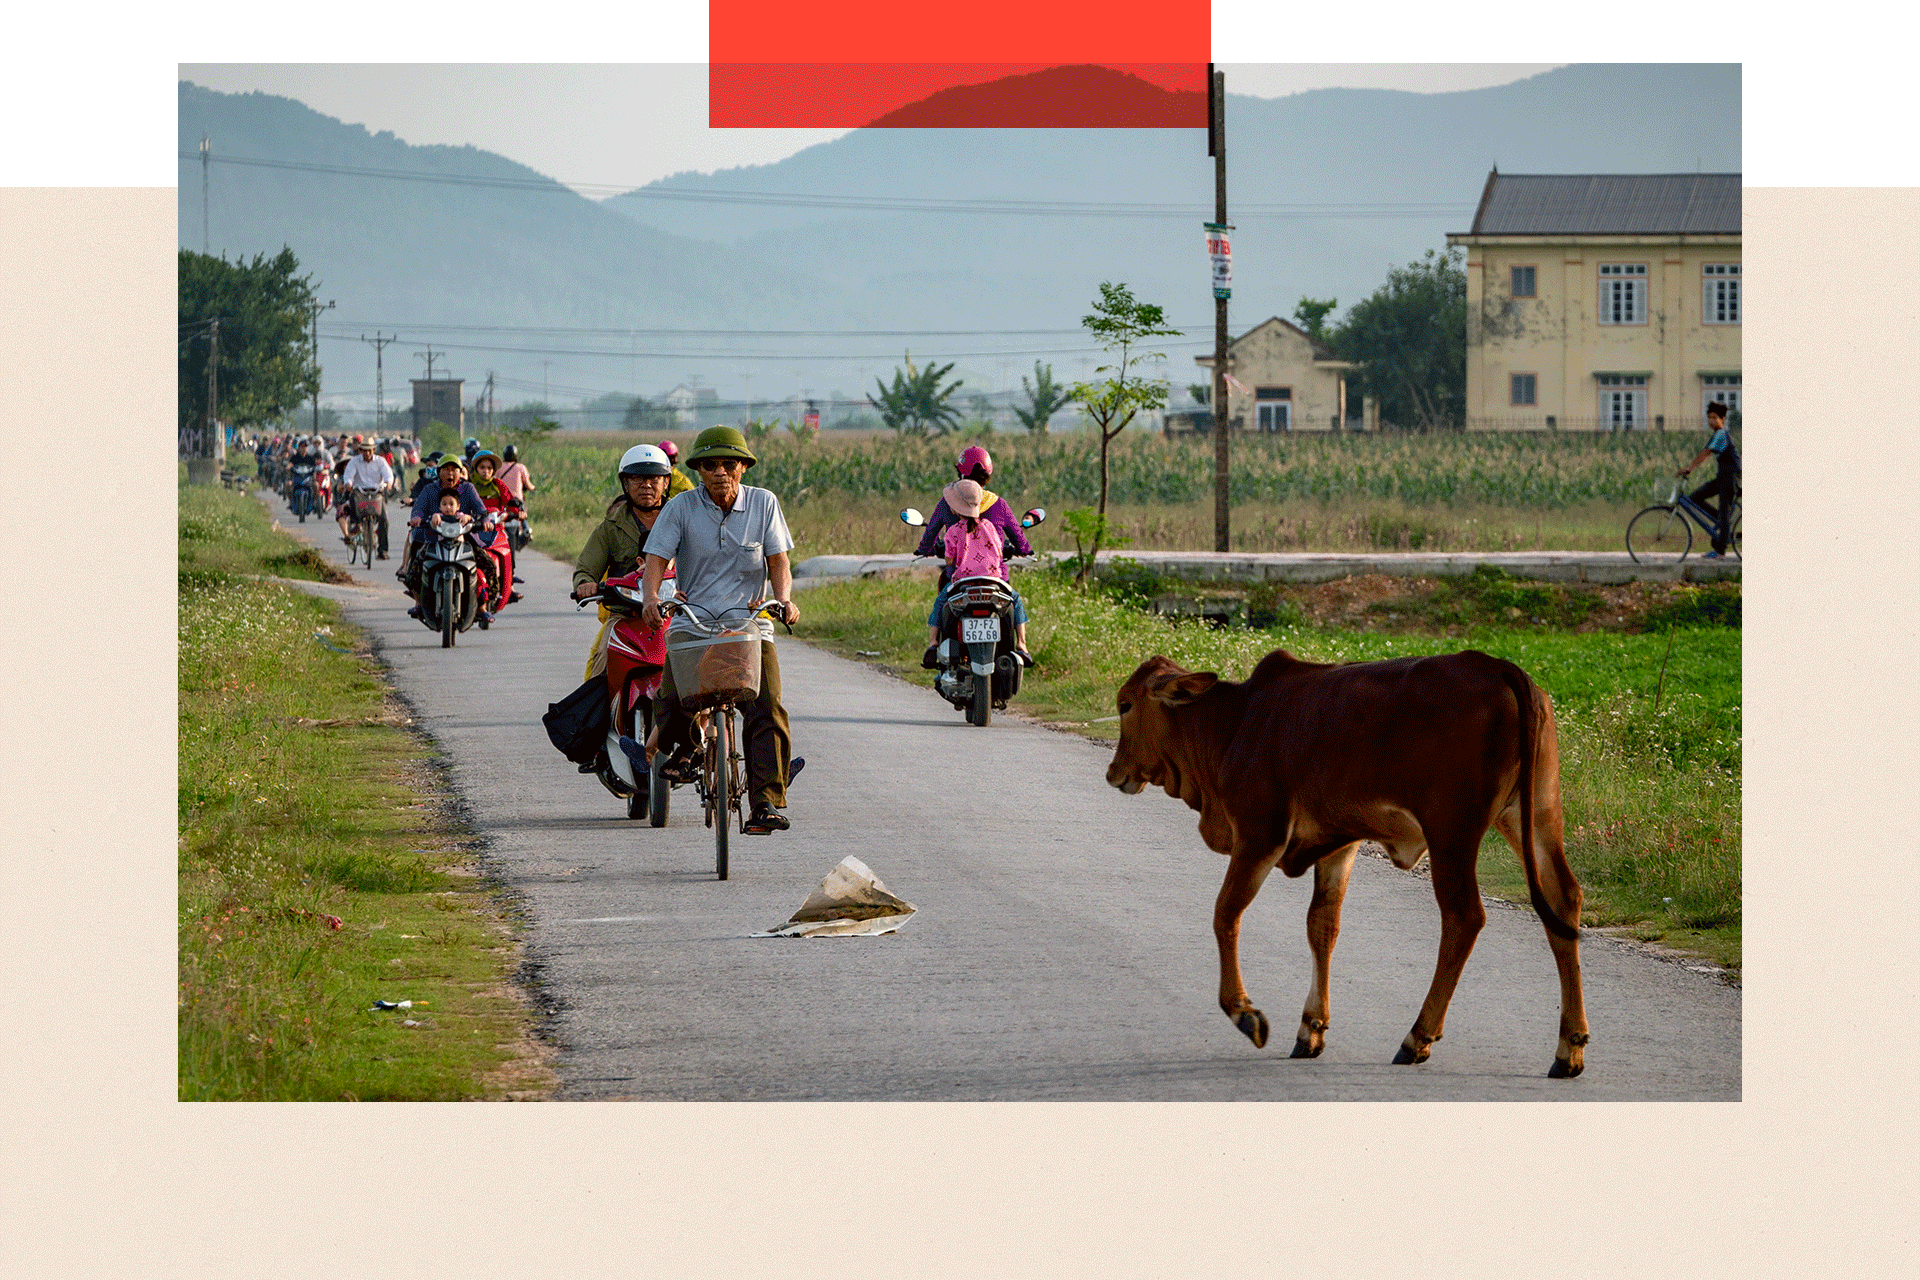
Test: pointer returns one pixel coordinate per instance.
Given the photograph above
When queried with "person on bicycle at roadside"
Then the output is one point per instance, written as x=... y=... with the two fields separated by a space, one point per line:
x=679 y=482
x=975 y=464
x=1724 y=488
x=614 y=547
x=451 y=478
x=728 y=542
x=367 y=471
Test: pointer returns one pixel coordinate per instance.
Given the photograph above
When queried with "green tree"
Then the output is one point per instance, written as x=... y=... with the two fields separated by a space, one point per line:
x=1045 y=397
x=1312 y=315
x=521 y=415
x=916 y=404
x=1120 y=324
x=1202 y=392
x=438 y=436
x=267 y=365
x=1410 y=339
x=644 y=415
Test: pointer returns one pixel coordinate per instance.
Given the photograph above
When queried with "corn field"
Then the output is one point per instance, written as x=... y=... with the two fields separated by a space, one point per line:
x=1531 y=472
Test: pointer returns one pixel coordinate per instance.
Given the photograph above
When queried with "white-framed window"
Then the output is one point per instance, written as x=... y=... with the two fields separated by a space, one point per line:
x=1273 y=409
x=1623 y=402
x=1522 y=387
x=1623 y=293
x=1720 y=293
x=1724 y=387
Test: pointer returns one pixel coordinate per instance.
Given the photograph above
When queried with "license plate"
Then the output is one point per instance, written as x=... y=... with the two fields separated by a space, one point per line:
x=979 y=630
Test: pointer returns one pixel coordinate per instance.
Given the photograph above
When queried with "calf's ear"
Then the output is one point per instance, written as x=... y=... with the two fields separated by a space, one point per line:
x=1178 y=691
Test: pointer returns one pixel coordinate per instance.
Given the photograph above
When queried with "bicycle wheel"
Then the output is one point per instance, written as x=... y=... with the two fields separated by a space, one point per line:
x=1657 y=532
x=720 y=743
x=367 y=540
x=1733 y=537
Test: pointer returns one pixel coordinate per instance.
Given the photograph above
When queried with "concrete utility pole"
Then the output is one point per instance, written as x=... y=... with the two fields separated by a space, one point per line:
x=215 y=443
x=315 y=308
x=206 y=149
x=379 y=344
x=1217 y=148
x=489 y=414
x=546 y=394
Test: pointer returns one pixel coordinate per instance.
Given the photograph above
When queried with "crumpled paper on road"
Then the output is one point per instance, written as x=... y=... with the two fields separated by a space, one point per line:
x=850 y=902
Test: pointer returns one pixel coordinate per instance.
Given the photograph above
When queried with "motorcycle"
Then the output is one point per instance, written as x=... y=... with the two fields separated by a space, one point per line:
x=635 y=659
x=978 y=669
x=302 y=491
x=519 y=534
x=449 y=596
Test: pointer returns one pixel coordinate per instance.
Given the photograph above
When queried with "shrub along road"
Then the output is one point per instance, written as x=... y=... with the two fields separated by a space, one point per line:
x=1063 y=947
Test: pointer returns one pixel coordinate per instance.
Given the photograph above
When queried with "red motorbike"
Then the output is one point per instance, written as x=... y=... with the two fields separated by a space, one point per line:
x=636 y=657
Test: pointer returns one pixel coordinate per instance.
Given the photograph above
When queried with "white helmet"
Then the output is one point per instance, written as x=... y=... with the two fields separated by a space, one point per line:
x=645 y=460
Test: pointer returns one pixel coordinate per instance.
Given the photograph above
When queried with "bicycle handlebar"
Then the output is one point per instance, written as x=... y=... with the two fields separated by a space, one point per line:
x=764 y=610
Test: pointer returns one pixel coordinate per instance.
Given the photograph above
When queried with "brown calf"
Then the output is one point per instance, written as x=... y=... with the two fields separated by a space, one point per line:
x=1304 y=760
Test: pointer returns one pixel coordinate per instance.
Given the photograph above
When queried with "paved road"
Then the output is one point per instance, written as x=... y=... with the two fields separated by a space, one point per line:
x=1063 y=947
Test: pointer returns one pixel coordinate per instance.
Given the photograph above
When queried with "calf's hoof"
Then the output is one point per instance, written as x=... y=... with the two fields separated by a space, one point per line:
x=1412 y=1050
x=1253 y=1024
x=1310 y=1040
x=1564 y=1070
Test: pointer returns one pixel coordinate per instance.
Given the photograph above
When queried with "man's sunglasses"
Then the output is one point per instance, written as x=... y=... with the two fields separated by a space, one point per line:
x=719 y=464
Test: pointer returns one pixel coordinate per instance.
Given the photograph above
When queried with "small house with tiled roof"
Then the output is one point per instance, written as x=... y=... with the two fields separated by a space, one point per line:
x=1602 y=301
x=1280 y=379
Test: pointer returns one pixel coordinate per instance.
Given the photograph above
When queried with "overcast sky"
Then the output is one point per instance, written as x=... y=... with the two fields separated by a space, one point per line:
x=624 y=126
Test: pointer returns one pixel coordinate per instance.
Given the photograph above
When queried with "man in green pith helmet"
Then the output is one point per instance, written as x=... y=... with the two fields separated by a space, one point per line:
x=728 y=542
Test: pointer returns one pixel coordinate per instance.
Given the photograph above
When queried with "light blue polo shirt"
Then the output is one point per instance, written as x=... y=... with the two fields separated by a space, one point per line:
x=720 y=558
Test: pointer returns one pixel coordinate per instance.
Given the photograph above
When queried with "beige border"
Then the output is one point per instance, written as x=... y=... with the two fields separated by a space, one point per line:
x=105 y=1173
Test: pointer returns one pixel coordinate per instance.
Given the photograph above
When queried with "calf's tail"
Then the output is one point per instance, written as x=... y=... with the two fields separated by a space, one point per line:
x=1523 y=690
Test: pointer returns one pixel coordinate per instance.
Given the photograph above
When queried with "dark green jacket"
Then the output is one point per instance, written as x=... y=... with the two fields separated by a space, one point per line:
x=613 y=548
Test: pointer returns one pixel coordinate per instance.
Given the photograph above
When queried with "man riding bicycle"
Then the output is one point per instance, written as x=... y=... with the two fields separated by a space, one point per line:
x=1724 y=488
x=729 y=543
x=366 y=471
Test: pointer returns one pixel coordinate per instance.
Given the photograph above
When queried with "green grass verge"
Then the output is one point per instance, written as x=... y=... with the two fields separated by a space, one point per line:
x=288 y=825
x=1652 y=796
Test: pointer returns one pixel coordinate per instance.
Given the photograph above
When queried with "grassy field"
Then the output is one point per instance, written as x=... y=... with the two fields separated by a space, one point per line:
x=322 y=864
x=1652 y=793
x=1312 y=493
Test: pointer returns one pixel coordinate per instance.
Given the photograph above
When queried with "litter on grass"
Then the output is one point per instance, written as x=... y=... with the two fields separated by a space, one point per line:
x=850 y=902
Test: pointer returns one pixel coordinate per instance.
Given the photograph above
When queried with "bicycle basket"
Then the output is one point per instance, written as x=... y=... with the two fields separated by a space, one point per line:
x=709 y=670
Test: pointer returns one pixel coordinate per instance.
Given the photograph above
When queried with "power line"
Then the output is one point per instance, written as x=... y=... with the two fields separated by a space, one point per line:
x=683 y=354
x=720 y=333
x=895 y=204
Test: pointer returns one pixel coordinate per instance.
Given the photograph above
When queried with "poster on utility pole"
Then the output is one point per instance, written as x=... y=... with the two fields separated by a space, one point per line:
x=1220 y=251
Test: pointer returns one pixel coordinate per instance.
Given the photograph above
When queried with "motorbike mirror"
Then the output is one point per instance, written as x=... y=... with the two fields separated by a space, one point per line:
x=1036 y=516
x=912 y=517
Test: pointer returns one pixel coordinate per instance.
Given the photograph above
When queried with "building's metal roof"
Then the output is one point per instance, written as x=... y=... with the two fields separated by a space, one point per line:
x=1524 y=204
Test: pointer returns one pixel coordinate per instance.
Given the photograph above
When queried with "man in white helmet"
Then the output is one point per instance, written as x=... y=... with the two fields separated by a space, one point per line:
x=614 y=547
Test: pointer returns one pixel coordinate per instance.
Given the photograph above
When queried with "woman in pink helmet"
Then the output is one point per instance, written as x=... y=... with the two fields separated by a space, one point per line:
x=975 y=464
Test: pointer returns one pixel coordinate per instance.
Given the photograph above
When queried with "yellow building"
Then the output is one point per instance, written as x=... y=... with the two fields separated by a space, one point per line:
x=1602 y=302
x=1287 y=382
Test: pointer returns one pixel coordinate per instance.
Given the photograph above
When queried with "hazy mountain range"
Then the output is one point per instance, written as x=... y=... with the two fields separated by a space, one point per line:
x=892 y=229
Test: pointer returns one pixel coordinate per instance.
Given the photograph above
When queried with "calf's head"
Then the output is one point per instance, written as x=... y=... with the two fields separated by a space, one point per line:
x=1148 y=751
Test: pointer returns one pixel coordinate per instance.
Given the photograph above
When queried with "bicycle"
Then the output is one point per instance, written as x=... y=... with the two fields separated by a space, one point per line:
x=365 y=513
x=713 y=674
x=1666 y=528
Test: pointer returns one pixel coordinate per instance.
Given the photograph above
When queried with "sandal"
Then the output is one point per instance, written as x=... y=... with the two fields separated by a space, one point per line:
x=679 y=769
x=766 y=819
